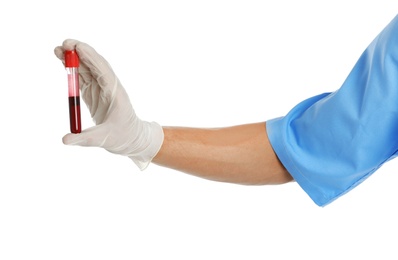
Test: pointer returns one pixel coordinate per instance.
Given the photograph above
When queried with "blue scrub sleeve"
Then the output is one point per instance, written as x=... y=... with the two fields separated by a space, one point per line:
x=332 y=142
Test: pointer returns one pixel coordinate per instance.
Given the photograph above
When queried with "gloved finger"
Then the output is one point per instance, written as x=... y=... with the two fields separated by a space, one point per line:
x=99 y=66
x=59 y=52
x=91 y=94
x=94 y=66
x=68 y=44
x=87 y=56
x=92 y=137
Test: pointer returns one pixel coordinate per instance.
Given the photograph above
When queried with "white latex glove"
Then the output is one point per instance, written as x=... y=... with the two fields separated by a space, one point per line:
x=117 y=128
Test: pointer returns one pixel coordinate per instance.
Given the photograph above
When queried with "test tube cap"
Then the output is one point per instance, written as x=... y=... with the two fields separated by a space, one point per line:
x=71 y=59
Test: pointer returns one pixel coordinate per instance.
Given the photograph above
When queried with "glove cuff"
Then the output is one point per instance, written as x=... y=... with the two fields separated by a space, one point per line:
x=153 y=141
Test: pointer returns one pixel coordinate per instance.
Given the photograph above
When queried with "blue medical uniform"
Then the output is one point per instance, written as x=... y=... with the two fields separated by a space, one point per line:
x=332 y=142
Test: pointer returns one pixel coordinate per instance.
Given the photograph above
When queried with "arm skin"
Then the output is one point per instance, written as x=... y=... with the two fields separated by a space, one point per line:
x=239 y=154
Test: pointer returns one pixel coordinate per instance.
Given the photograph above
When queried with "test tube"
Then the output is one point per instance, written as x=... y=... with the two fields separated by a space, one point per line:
x=72 y=66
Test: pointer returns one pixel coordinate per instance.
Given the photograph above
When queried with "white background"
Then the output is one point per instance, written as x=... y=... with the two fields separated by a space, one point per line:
x=208 y=63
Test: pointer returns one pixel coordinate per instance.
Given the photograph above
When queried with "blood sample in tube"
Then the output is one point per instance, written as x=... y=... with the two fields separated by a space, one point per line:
x=72 y=67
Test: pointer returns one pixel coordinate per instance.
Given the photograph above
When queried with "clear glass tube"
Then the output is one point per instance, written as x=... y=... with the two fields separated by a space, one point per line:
x=74 y=99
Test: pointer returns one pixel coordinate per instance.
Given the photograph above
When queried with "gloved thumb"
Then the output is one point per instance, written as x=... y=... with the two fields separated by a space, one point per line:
x=93 y=136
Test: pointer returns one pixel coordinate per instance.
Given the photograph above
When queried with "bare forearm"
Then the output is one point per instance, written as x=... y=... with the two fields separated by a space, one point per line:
x=238 y=154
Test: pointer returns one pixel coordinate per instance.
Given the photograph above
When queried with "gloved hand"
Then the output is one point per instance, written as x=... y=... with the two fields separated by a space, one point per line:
x=117 y=129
